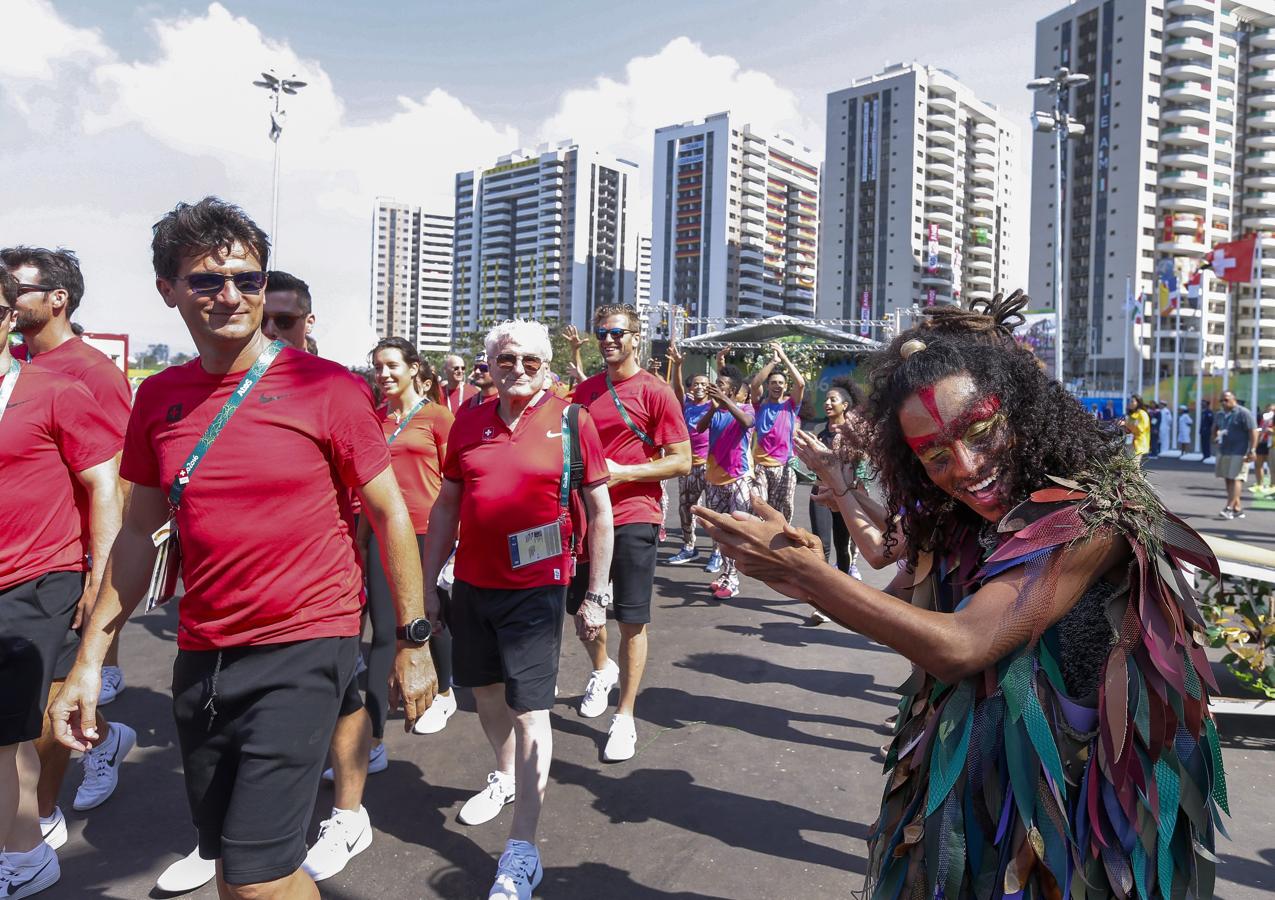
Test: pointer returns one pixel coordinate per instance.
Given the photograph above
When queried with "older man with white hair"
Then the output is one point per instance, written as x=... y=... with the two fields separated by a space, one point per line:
x=456 y=390
x=507 y=486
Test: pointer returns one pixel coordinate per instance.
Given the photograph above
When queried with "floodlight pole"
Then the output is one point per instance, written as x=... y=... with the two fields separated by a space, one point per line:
x=277 y=88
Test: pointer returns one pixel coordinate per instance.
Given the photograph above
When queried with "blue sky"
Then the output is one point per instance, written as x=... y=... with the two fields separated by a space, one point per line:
x=114 y=110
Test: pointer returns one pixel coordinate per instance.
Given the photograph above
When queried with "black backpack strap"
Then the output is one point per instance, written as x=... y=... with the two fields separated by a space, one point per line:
x=577 y=457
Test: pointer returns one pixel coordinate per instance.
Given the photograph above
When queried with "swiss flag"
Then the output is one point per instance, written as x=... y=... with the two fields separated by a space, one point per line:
x=1233 y=262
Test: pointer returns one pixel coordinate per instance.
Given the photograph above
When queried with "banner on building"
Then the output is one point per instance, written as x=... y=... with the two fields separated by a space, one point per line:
x=930 y=296
x=1037 y=335
x=932 y=259
x=865 y=314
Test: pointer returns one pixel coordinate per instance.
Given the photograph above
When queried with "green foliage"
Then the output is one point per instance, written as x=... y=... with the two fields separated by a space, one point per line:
x=1240 y=617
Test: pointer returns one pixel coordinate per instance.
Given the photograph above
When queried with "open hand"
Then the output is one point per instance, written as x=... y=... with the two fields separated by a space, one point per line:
x=818 y=456
x=572 y=336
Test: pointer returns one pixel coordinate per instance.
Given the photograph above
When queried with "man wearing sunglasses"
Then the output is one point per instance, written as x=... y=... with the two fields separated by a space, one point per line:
x=288 y=316
x=645 y=439
x=456 y=390
x=54 y=436
x=50 y=288
x=480 y=377
x=269 y=622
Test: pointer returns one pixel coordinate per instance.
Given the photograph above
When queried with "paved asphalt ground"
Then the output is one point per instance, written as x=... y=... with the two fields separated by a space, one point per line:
x=754 y=775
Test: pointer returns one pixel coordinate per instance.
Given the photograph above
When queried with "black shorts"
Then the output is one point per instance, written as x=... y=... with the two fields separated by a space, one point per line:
x=509 y=636
x=1263 y=448
x=35 y=619
x=633 y=556
x=254 y=724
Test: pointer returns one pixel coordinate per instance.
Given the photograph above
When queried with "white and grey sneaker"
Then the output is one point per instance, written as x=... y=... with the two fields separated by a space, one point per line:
x=102 y=767
x=26 y=874
x=597 y=692
x=518 y=872
x=621 y=739
x=341 y=838
x=435 y=718
x=53 y=829
x=187 y=874
x=112 y=684
x=487 y=803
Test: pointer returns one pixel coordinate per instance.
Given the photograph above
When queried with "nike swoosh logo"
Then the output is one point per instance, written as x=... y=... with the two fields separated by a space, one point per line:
x=553 y=434
x=268 y=398
x=349 y=846
x=115 y=755
x=15 y=886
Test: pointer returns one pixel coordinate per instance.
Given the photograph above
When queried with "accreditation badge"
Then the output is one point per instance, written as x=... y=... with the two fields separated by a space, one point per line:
x=535 y=544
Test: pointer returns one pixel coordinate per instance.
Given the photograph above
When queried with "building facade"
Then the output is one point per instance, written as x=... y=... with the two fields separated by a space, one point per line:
x=543 y=234
x=734 y=221
x=920 y=196
x=1178 y=155
x=411 y=275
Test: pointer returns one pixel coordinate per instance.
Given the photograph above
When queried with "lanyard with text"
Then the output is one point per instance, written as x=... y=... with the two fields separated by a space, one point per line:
x=407 y=418
x=564 y=489
x=246 y=384
x=10 y=381
x=624 y=414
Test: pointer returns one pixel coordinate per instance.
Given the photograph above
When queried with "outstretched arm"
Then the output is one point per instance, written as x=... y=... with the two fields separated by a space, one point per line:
x=798 y=389
x=675 y=357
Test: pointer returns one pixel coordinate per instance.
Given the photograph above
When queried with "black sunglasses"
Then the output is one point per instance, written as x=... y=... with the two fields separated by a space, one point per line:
x=480 y=367
x=530 y=364
x=281 y=321
x=616 y=333
x=28 y=288
x=211 y=283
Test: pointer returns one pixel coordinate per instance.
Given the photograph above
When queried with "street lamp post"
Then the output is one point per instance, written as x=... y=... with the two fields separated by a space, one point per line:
x=1063 y=127
x=277 y=87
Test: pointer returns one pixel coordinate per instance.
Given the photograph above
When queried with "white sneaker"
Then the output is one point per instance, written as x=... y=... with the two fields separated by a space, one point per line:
x=342 y=837
x=518 y=872
x=487 y=804
x=112 y=684
x=435 y=718
x=378 y=760
x=26 y=874
x=621 y=739
x=53 y=829
x=102 y=767
x=596 y=693
x=187 y=874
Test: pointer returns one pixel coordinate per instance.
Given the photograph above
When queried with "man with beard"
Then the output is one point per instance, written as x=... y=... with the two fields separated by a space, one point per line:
x=1053 y=632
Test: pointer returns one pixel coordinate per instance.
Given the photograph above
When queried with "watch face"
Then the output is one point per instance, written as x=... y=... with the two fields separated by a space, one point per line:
x=418 y=631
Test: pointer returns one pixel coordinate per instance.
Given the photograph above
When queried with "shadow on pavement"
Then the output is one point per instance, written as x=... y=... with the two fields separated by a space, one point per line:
x=751 y=670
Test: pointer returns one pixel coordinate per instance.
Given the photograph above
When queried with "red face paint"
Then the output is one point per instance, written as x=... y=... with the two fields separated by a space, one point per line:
x=978 y=411
x=926 y=395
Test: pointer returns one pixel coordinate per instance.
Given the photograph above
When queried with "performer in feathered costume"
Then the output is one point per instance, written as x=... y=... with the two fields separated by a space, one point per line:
x=1054 y=739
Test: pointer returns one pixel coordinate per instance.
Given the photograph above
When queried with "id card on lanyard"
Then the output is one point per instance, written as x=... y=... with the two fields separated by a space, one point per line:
x=543 y=542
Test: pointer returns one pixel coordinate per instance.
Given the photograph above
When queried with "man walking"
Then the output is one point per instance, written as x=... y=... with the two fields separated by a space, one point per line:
x=507 y=485
x=645 y=439
x=54 y=437
x=1235 y=431
x=268 y=626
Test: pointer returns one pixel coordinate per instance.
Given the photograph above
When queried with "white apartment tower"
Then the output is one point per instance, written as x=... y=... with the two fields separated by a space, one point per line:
x=412 y=275
x=734 y=221
x=920 y=196
x=1178 y=155
x=544 y=234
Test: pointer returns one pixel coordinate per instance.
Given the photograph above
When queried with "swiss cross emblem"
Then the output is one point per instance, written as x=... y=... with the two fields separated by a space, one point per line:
x=488 y=433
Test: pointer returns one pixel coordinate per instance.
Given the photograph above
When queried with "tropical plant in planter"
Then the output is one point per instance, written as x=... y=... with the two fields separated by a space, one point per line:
x=1239 y=616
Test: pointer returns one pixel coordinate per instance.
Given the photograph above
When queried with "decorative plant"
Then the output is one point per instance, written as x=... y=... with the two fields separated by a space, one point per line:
x=1239 y=616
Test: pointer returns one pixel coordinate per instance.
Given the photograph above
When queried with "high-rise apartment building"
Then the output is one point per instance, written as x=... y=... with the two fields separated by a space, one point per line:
x=642 y=281
x=1178 y=154
x=920 y=195
x=544 y=234
x=734 y=220
x=412 y=275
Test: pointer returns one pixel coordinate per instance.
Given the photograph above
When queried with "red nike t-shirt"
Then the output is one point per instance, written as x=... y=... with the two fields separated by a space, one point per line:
x=266 y=531
x=51 y=428
x=455 y=399
x=418 y=453
x=654 y=408
x=509 y=483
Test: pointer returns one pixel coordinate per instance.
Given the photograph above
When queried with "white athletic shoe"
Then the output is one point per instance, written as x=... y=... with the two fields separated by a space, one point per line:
x=341 y=838
x=597 y=692
x=518 y=872
x=378 y=760
x=102 y=767
x=26 y=874
x=487 y=803
x=112 y=684
x=621 y=739
x=53 y=829
x=435 y=718
x=187 y=874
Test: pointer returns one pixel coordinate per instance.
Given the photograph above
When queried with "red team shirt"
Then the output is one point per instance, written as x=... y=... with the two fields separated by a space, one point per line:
x=52 y=428
x=510 y=483
x=418 y=453
x=266 y=530
x=654 y=408
x=455 y=399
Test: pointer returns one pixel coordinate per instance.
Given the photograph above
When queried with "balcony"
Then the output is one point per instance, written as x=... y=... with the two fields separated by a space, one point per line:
x=1186 y=115
x=1189 y=48
x=1263 y=121
x=1188 y=159
x=940 y=216
x=985 y=132
x=1262 y=221
x=1260 y=141
x=1188 y=135
x=979 y=251
x=940 y=168
x=941 y=104
x=1262 y=181
x=935 y=279
x=1261 y=99
x=942 y=121
x=1264 y=60
x=1189 y=7
x=940 y=136
x=1186 y=69
x=1258 y=200
x=941 y=186
x=1186 y=92
x=1190 y=26
x=979 y=280
x=1262 y=38
x=980 y=265
x=979 y=220
x=1182 y=178
x=942 y=151
x=984 y=205
x=1183 y=203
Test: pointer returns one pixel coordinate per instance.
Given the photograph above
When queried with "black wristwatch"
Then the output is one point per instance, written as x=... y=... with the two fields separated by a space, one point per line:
x=417 y=631
x=602 y=600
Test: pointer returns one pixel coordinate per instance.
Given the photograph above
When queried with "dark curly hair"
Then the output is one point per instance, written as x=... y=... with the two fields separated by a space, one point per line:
x=199 y=229
x=58 y=268
x=1052 y=433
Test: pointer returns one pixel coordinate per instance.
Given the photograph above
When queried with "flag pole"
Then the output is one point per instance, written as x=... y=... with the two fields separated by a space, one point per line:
x=1257 y=326
x=1128 y=314
x=1177 y=366
x=1155 y=329
x=1199 y=362
x=1226 y=338
x=1137 y=340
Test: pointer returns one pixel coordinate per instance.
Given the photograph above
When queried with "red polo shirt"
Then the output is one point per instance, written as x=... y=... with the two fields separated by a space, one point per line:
x=267 y=544
x=455 y=399
x=653 y=407
x=51 y=429
x=509 y=483
x=418 y=453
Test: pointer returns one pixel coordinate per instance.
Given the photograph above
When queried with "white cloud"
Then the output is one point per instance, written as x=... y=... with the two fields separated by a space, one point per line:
x=37 y=40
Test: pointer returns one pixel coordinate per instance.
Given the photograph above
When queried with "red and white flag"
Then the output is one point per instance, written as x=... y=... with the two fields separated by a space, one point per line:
x=1233 y=262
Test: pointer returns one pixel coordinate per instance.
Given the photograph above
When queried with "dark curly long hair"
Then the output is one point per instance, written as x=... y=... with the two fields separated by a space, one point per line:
x=1052 y=434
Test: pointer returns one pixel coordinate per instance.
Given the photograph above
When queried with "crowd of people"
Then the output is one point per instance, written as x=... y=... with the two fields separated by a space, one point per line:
x=1053 y=739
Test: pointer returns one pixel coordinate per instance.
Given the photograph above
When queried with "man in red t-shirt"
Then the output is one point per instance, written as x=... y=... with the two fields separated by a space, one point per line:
x=289 y=313
x=268 y=627
x=644 y=433
x=54 y=436
x=506 y=485
x=456 y=390
x=50 y=289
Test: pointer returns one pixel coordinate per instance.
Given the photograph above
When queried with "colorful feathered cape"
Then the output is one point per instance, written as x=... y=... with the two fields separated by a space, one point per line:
x=1006 y=784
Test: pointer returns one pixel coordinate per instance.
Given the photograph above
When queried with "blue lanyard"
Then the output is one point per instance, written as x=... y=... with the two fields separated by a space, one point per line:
x=9 y=383
x=624 y=414
x=564 y=487
x=407 y=418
